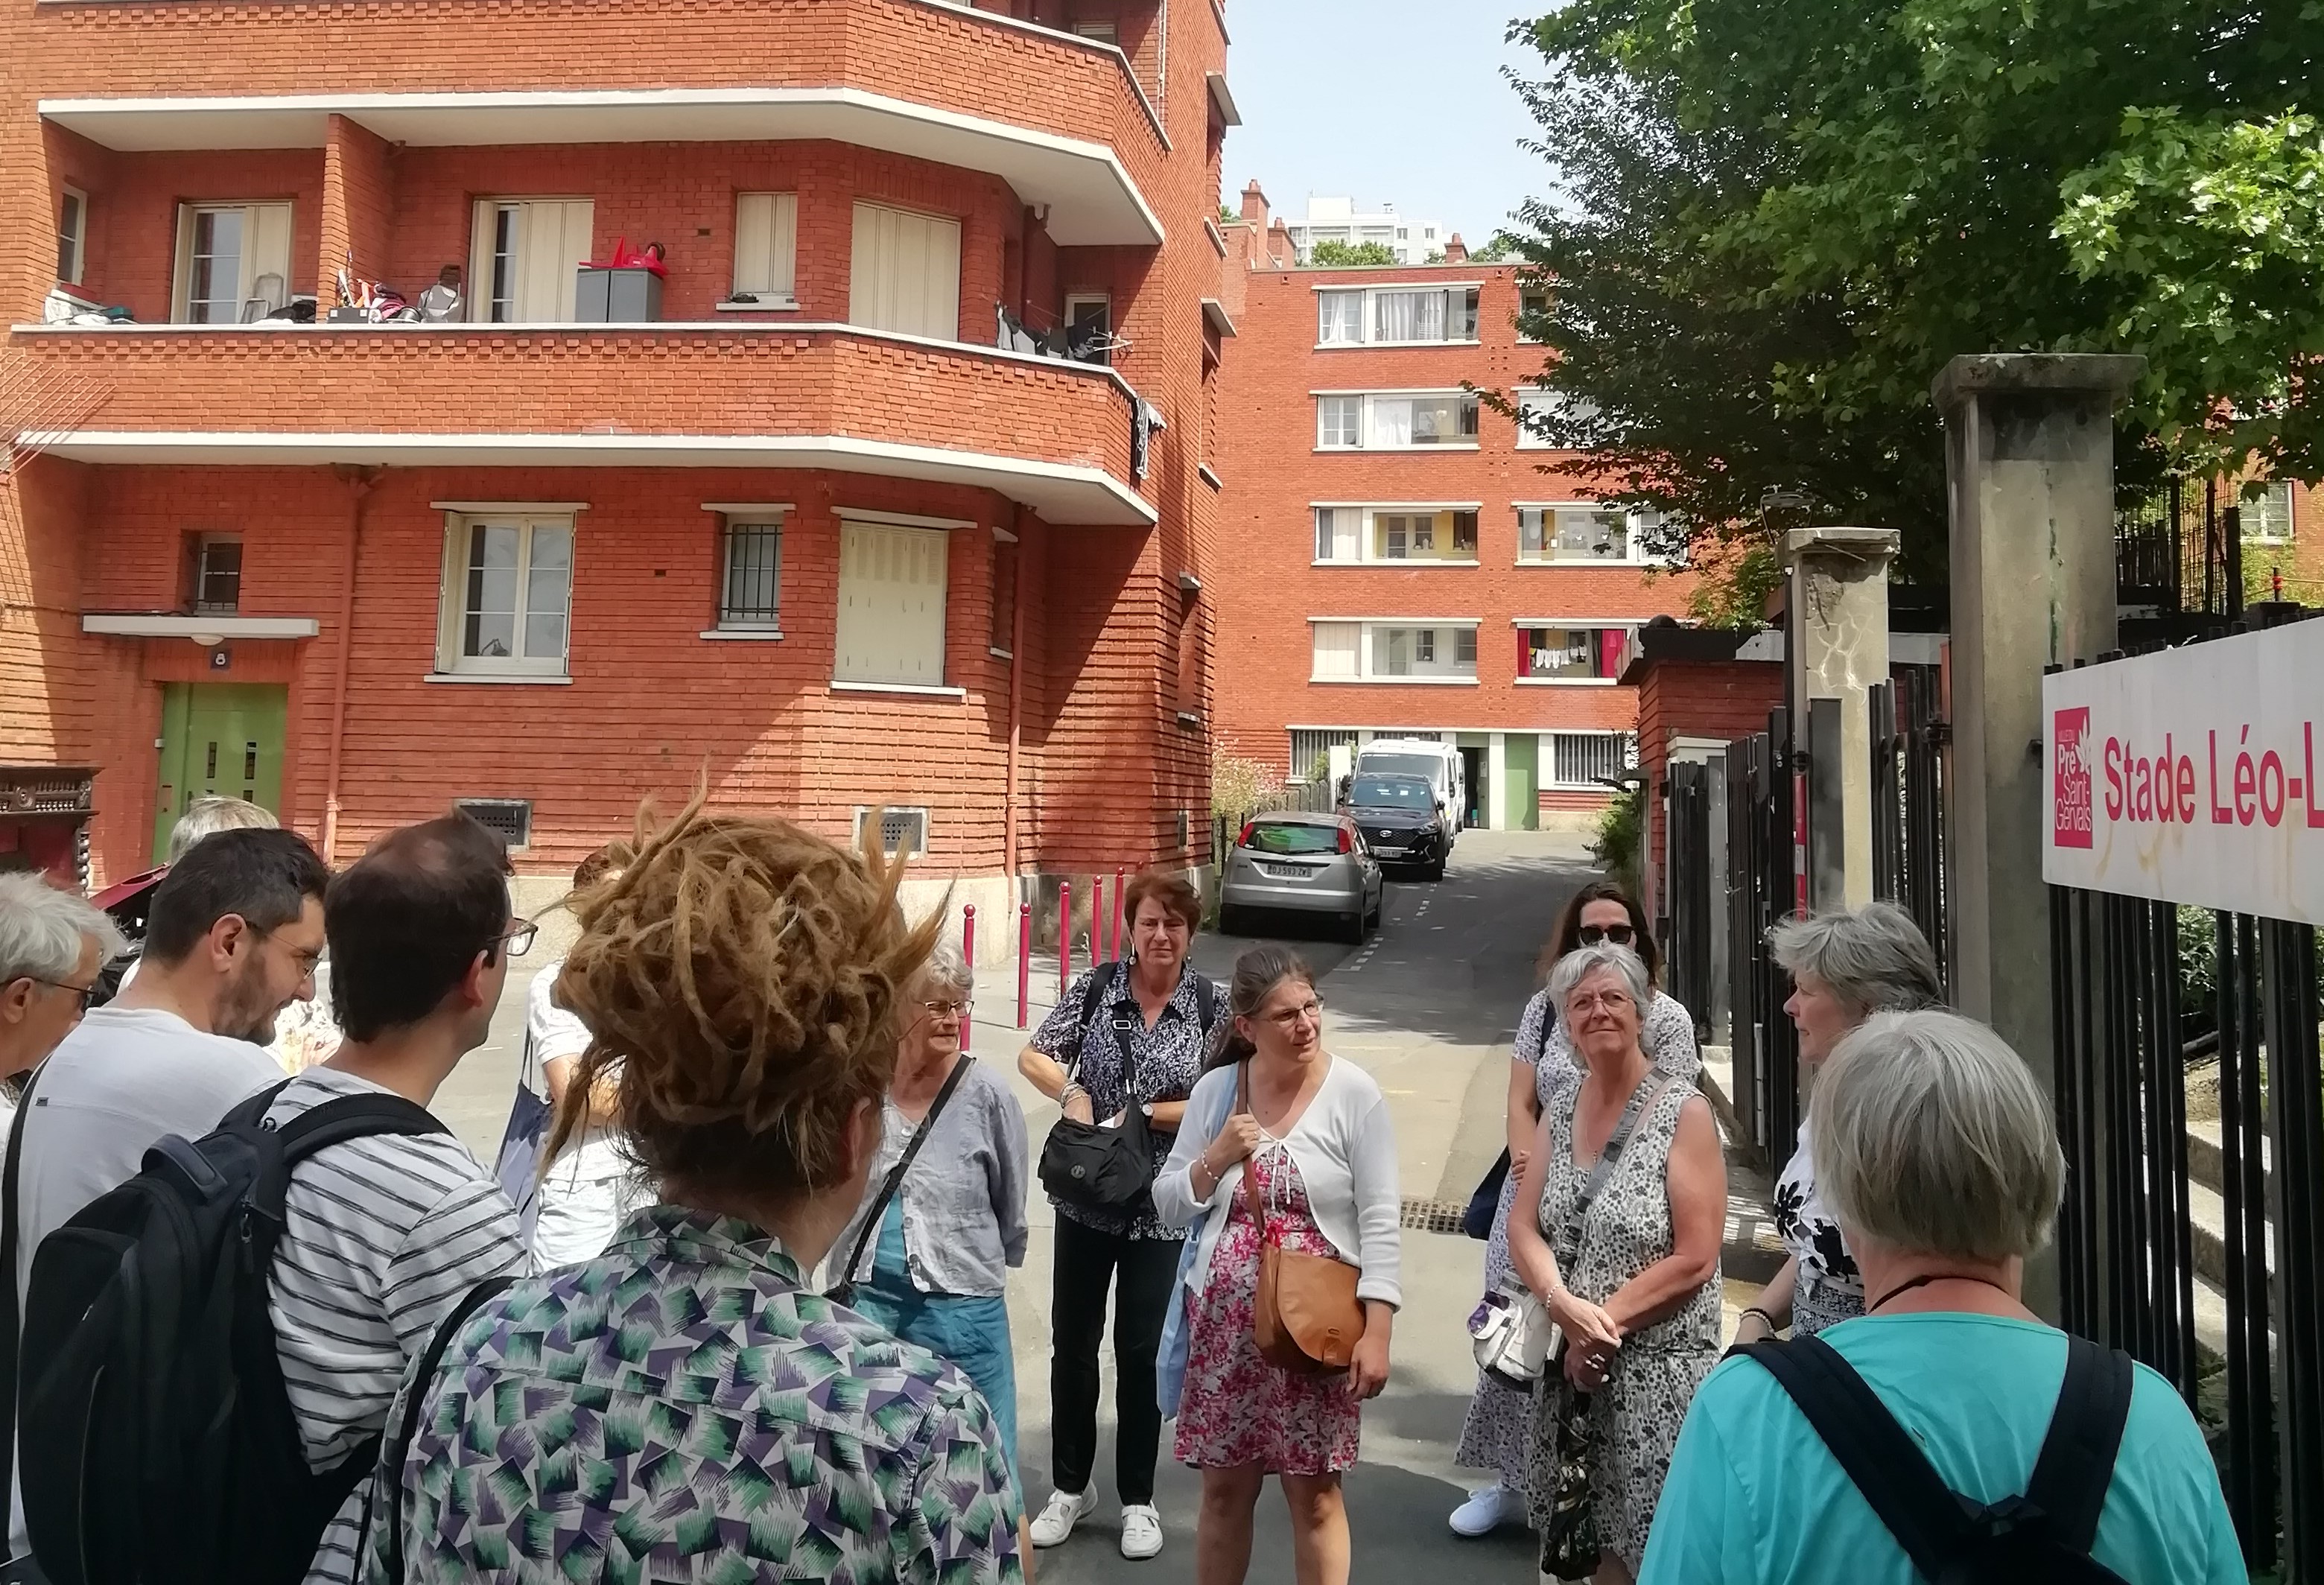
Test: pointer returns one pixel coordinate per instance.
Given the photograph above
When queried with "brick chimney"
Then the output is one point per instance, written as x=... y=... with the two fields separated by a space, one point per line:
x=1456 y=252
x=1254 y=206
x=1280 y=246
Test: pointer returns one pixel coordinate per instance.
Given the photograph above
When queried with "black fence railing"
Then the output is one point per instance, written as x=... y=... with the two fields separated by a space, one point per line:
x=1761 y=888
x=1909 y=737
x=2180 y=552
x=1686 y=929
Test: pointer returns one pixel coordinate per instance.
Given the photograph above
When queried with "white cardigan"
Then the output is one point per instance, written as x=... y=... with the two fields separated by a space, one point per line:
x=1346 y=1153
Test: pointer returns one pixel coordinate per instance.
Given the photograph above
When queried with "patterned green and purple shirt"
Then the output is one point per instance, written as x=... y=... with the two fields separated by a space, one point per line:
x=684 y=1409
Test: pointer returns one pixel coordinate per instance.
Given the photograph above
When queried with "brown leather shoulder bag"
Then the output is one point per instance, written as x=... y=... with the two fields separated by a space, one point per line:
x=1305 y=1314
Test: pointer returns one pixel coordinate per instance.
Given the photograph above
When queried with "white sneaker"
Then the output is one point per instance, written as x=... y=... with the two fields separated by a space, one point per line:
x=1065 y=1509
x=1489 y=1508
x=1141 y=1531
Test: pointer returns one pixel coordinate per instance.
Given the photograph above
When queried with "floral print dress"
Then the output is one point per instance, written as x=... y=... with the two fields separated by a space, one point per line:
x=1239 y=1410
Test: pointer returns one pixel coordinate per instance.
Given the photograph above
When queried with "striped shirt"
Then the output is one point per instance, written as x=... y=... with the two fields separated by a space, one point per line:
x=381 y=1237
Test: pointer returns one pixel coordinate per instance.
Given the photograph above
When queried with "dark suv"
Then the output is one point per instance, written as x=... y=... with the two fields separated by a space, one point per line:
x=1401 y=821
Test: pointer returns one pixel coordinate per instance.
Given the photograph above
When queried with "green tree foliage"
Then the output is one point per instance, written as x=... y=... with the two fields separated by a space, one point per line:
x=1331 y=252
x=1768 y=227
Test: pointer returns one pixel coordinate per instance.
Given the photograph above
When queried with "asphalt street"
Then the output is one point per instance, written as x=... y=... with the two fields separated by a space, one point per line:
x=1428 y=1005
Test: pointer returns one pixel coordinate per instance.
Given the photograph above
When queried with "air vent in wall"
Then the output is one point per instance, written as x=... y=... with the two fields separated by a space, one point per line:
x=510 y=819
x=901 y=831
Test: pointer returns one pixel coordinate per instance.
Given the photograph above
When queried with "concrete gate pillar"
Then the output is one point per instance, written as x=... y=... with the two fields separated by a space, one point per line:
x=2029 y=464
x=1839 y=648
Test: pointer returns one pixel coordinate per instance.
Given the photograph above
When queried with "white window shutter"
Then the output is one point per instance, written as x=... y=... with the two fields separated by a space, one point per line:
x=766 y=244
x=904 y=274
x=892 y=587
x=266 y=250
x=1335 y=648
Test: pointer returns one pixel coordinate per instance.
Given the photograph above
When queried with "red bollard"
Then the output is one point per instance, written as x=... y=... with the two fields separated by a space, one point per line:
x=1024 y=958
x=1097 y=920
x=968 y=951
x=1064 y=936
x=1118 y=874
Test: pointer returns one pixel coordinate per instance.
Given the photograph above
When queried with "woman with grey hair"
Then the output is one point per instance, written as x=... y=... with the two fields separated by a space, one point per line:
x=1844 y=968
x=1938 y=1151
x=1624 y=1203
x=53 y=945
x=927 y=1254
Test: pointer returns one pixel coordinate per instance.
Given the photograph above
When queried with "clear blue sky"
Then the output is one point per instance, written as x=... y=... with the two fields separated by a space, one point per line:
x=1395 y=100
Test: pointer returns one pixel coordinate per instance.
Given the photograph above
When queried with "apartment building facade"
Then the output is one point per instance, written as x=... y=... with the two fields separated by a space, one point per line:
x=889 y=490
x=1400 y=559
x=1337 y=219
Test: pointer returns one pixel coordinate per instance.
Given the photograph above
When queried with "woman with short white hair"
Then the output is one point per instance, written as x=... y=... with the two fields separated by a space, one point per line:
x=53 y=944
x=1620 y=1216
x=1938 y=1152
x=1844 y=968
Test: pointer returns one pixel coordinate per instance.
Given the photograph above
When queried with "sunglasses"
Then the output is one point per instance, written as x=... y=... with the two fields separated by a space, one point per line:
x=1619 y=935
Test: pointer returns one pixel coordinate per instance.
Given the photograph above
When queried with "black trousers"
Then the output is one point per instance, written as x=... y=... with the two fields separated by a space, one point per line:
x=1086 y=1265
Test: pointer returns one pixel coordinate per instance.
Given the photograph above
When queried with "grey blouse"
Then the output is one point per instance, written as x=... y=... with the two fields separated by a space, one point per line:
x=963 y=1197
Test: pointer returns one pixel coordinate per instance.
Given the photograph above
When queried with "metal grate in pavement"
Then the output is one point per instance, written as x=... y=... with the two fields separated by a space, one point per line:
x=1432 y=1216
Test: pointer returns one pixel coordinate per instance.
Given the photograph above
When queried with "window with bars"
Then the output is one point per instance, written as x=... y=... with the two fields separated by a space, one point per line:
x=750 y=589
x=1311 y=752
x=214 y=574
x=1585 y=760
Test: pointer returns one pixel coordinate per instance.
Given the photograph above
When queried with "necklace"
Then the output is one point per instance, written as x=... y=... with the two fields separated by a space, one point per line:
x=1922 y=1282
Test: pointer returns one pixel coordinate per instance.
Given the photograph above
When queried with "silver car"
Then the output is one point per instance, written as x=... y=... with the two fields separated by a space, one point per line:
x=1304 y=863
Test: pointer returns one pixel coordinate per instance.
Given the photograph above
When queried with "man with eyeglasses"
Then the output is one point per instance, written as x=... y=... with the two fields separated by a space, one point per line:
x=53 y=946
x=382 y=1235
x=233 y=938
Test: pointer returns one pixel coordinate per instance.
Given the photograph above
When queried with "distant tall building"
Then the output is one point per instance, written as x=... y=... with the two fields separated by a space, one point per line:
x=1336 y=219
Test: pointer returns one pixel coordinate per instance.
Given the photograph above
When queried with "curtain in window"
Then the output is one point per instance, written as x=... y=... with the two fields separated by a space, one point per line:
x=1339 y=316
x=1392 y=423
x=1409 y=316
x=1609 y=651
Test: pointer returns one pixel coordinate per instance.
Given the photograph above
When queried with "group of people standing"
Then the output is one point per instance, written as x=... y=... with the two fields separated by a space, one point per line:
x=1927 y=1171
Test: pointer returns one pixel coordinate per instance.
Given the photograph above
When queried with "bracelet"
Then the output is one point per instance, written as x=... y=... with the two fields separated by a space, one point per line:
x=1763 y=1315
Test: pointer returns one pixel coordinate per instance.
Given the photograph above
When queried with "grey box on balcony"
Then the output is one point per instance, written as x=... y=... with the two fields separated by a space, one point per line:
x=616 y=297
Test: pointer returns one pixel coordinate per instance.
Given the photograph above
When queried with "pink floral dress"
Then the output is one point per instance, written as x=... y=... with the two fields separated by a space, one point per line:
x=1239 y=1410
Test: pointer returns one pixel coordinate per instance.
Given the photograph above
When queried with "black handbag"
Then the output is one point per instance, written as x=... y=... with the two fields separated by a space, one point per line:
x=1477 y=1221
x=1091 y=1165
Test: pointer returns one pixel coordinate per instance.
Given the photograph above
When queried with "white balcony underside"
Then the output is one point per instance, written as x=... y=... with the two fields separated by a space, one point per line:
x=1060 y=492
x=1091 y=197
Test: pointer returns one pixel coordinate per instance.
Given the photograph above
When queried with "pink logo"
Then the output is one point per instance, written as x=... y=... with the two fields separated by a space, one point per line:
x=2069 y=779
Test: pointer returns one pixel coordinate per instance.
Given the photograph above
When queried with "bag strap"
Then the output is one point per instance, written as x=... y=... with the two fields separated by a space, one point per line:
x=1905 y=1490
x=2076 y=1465
x=1250 y=1176
x=10 y=1320
x=355 y=1116
x=870 y=1227
x=394 y=1453
x=1569 y=1243
x=1093 y=997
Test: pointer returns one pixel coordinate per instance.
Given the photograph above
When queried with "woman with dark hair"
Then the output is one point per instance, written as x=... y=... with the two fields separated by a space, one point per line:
x=1310 y=1133
x=688 y=1403
x=1497 y=1434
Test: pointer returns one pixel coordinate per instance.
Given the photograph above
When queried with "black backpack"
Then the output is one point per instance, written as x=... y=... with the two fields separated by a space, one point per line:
x=163 y=1447
x=2041 y=1538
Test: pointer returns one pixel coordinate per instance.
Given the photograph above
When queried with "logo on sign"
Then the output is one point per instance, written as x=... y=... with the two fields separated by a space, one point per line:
x=2070 y=778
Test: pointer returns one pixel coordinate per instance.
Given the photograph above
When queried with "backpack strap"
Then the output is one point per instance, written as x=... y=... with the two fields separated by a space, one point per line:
x=10 y=1320
x=393 y=1453
x=355 y=1116
x=2076 y=1465
x=1887 y=1466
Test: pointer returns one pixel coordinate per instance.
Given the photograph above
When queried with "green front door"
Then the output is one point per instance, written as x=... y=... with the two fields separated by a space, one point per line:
x=218 y=740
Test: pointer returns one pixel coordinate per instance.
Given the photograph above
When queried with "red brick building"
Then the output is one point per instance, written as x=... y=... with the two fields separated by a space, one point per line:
x=834 y=520
x=1398 y=557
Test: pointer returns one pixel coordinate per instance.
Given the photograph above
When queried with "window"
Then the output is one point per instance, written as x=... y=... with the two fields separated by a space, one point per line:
x=906 y=273
x=1536 y=405
x=1001 y=635
x=214 y=582
x=507 y=596
x=1339 y=420
x=526 y=257
x=72 y=236
x=766 y=247
x=1533 y=302
x=1395 y=315
x=2267 y=517
x=1352 y=534
x=1337 y=531
x=1573 y=533
x=1571 y=654
x=903 y=833
x=1311 y=752
x=893 y=589
x=510 y=819
x=234 y=262
x=1089 y=327
x=1194 y=669
x=1366 y=651
x=1579 y=759
x=1100 y=32
x=751 y=581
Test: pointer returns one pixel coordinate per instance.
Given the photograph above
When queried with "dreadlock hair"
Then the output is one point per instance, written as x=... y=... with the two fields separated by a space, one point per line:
x=739 y=977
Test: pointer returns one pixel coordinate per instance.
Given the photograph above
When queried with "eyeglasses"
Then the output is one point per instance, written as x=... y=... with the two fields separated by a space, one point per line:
x=1619 y=935
x=1613 y=1001
x=947 y=1009
x=1290 y=1016
x=88 y=993
x=517 y=939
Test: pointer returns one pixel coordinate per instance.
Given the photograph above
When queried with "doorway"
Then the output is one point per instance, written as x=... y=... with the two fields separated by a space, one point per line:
x=218 y=740
x=1472 y=773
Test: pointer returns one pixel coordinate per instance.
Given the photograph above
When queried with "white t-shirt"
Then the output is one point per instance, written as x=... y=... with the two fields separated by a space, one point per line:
x=124 y=1078
x=380 y=1238
x=585 y=1191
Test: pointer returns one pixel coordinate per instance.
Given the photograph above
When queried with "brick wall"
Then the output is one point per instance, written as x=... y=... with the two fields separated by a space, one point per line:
x=359 y=206
x=1719 y=699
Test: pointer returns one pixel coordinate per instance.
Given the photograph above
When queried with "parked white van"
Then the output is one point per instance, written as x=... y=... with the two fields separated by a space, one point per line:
x=1439 y=763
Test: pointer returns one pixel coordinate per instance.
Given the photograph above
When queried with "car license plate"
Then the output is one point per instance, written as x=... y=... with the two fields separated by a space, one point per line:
x=1382 y=850
x=1284 y=872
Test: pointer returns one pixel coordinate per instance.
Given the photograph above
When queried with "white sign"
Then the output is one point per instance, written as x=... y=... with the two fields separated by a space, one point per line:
x=2191 y=775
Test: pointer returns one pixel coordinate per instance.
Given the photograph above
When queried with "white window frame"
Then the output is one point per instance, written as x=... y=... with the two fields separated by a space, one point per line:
x=1634 y=525
x=1367 y=314
x=74 y=236
x=1549 y=762
x=246 y=264
x=2291 y=516
x=733 y=516
x=1103 y=300
x=1368 y=428
x=1334 y=417
x=483 y=251
x=1627 y=625
x=1367 y=531
x=1375 y=639
x=938 y=532
x=1098 y=30
x=777 y=214
x=452 y=596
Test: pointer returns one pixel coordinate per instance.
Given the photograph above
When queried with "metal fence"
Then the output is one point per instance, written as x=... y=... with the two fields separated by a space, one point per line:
x=1909 y=738
x=1761 y=888
x=1686 y=928
x=2180 y=552
x=2130 y=1258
